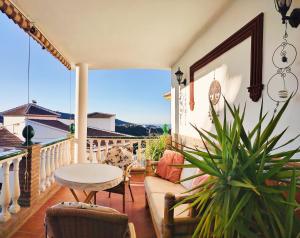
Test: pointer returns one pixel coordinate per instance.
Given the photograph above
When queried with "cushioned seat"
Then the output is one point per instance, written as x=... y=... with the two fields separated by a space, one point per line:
x=158 y=185
x=157 y=202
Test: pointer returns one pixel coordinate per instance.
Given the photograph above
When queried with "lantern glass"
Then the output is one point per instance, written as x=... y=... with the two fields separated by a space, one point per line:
x=283 y=6
x=179 y=75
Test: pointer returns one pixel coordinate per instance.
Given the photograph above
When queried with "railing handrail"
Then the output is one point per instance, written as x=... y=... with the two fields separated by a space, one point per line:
x=46 y=144
x=123 y=137
x=11 y=154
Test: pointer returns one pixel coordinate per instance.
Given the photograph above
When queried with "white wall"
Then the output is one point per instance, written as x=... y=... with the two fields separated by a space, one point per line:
x=102 y=123
x=45 y=133
x=15 y=124
x=232 y=69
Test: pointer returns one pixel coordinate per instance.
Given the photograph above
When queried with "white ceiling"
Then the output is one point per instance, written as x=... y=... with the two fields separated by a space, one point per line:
x=115 y=34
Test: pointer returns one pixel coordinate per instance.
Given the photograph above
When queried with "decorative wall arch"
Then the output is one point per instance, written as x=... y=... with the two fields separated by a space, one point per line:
x=253 y=29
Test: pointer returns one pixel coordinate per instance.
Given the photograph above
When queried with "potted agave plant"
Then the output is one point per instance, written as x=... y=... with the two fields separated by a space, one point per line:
x=252 y=186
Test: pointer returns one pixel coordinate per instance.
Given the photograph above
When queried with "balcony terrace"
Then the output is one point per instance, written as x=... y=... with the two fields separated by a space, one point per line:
x=233 y=181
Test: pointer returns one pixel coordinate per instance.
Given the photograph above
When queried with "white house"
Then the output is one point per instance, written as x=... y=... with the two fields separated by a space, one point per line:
x=50 y=125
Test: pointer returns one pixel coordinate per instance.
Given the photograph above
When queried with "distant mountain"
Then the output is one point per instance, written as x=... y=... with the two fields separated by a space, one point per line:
x=137 y=130
x=122 y=123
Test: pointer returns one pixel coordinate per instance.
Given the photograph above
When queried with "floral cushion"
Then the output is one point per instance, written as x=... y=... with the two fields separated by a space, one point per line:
x=81 y=205
x=119 y=156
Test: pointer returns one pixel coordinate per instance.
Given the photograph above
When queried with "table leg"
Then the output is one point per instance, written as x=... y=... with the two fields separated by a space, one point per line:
x=90 y=196
x=74 y=194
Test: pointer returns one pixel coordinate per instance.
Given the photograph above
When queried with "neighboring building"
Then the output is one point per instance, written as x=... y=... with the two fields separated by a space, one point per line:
x=50 y=125
x=1 y=120
x=102 y=121
x=98 y=120
x=8 y=140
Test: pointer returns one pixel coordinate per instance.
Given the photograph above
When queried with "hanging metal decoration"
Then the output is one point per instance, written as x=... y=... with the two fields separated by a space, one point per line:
x=214 y=94
x=284 y=83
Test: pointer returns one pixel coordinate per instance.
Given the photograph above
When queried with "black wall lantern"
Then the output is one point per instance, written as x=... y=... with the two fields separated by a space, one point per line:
x=283 y=6
x=179 y=77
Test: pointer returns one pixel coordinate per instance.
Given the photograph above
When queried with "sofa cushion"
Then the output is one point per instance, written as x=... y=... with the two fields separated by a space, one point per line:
x=159 y=185
x=174 y=173
x=157 y=203
x=200 y=179
x=187 y=172
x=165 y=169
x=163 y=165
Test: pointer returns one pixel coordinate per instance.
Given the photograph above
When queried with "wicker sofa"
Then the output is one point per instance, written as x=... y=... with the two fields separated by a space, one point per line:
x=161 y=195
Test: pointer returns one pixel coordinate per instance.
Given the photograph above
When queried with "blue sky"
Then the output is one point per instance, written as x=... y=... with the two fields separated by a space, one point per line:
x=135 y=95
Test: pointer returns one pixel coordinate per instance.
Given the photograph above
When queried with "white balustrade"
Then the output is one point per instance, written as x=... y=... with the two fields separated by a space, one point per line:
x=53 y=156
x=99 y=147
x=10 y=191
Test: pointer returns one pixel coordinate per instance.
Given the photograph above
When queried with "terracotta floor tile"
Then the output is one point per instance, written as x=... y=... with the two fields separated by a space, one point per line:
x=136 y=211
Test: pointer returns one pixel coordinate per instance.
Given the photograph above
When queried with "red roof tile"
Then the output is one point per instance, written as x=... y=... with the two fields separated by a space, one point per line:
x=91 y=132
x=100 y=115
x=7 y=139
x=29 y=109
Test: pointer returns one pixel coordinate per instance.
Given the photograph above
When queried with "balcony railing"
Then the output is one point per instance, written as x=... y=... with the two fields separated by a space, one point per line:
x=99 y=146
x=9 y=178
x=53 y=156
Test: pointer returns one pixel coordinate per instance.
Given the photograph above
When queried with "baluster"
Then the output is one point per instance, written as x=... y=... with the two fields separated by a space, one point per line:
x=106 y=147
x=71 y=141
x=52 y=165
x=64 y=159
x=91 y=150
x=57 y=165
x=122 y=142
x=69 y=151
x=43 y=171
x=61 y=154
x=5 y=194
x=15 y=193
x=99 y=151
x=48 y=168
x=139 y=154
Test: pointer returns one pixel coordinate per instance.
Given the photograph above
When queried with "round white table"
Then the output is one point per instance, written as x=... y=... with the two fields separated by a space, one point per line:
x=89 y=177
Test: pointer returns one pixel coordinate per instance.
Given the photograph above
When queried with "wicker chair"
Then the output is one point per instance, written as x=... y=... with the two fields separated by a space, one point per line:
x=121 y=157
x=71 y=222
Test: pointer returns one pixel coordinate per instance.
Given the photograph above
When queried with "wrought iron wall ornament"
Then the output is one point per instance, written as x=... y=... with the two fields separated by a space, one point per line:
x=214 y=94
x=283 y=58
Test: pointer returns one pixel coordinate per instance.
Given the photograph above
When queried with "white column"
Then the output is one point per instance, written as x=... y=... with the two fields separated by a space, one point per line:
x=81 y=112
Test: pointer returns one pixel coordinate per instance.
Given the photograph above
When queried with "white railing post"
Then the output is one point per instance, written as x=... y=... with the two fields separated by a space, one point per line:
x=61 y=154
x=91 y=150
x=56 y=149
x=52 y=154
x=106 y=147
x=66 y=152
x=43 y=171
x=48 y=167
x=15 y=193
x=139 y=154
x=99 y=151
x=5 y=194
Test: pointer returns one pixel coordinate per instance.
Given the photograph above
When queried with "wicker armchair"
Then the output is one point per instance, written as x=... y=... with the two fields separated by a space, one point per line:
x=71 y=222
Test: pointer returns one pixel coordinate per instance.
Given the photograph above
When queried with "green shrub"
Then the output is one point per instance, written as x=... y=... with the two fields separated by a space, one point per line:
x=156 y=147
x=236 y=202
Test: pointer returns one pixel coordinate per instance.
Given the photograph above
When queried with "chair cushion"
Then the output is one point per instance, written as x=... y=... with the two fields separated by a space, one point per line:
x=157 y=203
x=81 y=205
x=119 y=156
x=159 y=185
x=166 y=170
